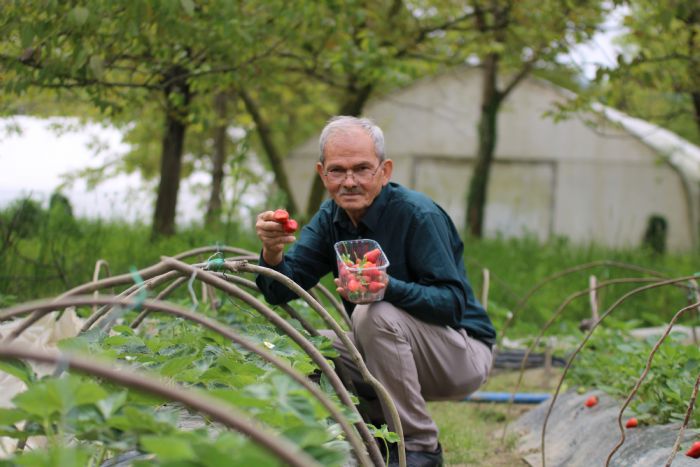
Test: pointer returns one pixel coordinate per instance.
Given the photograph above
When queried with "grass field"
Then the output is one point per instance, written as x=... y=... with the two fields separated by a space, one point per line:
x=472 y=433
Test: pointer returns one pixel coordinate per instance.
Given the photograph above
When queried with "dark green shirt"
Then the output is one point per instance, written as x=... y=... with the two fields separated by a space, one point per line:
x=427 y=274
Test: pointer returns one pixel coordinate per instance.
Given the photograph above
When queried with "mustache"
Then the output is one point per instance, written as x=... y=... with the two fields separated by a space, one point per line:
x=350 y=191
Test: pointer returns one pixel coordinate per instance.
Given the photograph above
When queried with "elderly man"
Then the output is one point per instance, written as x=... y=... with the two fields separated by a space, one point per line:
x=429 y=338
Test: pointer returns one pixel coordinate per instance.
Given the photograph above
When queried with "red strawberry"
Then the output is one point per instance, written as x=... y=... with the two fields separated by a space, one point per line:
x=591 y=401
x=280 y=215
x=290 y=226
x=354 y=285
x=632 y=423
x=375 y=287
x=373 y=255
x=375 y=273
x=694 y=450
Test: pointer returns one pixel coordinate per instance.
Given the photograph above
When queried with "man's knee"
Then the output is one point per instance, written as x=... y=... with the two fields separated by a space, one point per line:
x=378 y=317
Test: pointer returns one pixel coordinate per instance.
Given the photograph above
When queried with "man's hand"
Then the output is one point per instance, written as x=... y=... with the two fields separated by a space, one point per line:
x=339 y=289
x=342 y=292
x=273 y=236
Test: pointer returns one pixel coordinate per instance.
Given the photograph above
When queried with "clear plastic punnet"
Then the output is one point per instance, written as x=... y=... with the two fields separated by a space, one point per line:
x=362 y=270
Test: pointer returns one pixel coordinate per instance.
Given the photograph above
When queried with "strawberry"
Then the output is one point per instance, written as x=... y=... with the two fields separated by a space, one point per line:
x=694 y=450
x=354 y=285
x=290 y=226
x=375 y=287
x=372 y=255
x=280 y=215
x=632 y=423
x=375 y=273
x=591 y=401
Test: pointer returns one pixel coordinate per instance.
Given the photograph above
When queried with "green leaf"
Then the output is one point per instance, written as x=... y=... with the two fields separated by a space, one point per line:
x=140 y=421
x=55 y=456
x=79 y=15
x=11 y=416
x=58 y=396
x=19 y=369
x=96 y=65
x=188 y=6
x=168 y=448
x=26 y=35
x=304 y=436
x=175 y=365
x=109 y=405
x=36 y=401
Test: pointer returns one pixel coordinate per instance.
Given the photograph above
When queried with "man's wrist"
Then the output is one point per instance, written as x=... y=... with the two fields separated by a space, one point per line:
x=272 y=259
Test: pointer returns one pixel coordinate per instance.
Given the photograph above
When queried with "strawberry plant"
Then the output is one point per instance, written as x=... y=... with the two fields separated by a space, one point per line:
x=613 y=361
x=104 y=420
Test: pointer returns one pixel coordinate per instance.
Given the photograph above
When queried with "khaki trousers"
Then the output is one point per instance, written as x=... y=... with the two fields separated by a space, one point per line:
x=416 y=362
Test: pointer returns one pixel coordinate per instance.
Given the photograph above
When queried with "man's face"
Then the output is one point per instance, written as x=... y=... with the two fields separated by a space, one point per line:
x=353 y=149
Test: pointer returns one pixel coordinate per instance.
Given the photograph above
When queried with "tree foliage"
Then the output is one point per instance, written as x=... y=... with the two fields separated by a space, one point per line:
x=657 y=76
x=127 y=56
x=510 y=39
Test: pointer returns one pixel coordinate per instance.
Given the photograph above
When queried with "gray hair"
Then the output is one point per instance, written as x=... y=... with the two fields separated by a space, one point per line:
x=342 y=123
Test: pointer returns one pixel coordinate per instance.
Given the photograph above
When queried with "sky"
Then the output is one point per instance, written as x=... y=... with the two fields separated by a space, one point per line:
x=34 y=161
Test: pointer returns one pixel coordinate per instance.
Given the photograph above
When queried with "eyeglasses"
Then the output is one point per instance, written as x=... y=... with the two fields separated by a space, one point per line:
x=361 y=174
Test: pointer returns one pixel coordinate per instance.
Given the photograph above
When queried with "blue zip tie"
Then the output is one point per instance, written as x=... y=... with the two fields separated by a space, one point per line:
x=142 y=295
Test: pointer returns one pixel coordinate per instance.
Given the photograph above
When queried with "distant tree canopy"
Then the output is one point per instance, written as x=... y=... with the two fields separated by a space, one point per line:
x=182 y=72
x=655 y=77
x=162 y=55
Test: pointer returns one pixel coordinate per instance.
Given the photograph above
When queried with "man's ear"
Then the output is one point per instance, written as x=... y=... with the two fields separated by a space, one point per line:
x=320 y=170
x=387 y=169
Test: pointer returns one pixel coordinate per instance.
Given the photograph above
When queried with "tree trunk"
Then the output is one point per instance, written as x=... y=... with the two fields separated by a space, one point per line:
x=487 y=131
x=171 y=154
x=693 y=23
x=270 y=149
x=353 y=105
x=696 y=106
x=213 y=214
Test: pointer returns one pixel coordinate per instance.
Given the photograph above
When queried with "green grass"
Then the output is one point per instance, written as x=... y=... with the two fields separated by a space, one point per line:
x=48 y=252
x=472 y=433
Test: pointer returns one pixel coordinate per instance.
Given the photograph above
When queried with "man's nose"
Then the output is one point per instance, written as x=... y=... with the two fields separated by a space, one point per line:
x=349 y=179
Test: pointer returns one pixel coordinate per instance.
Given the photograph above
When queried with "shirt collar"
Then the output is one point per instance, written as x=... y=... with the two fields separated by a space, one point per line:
x=371 y=218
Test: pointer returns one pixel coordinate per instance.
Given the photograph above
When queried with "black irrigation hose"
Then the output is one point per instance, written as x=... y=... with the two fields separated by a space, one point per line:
x=43 y=307
x=286 y=451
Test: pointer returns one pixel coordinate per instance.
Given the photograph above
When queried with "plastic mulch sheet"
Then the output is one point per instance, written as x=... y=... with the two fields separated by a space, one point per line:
x=585 y=436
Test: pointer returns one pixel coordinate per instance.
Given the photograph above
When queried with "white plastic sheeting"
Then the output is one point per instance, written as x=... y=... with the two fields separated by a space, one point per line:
x=43 y=335
x=580 y=436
